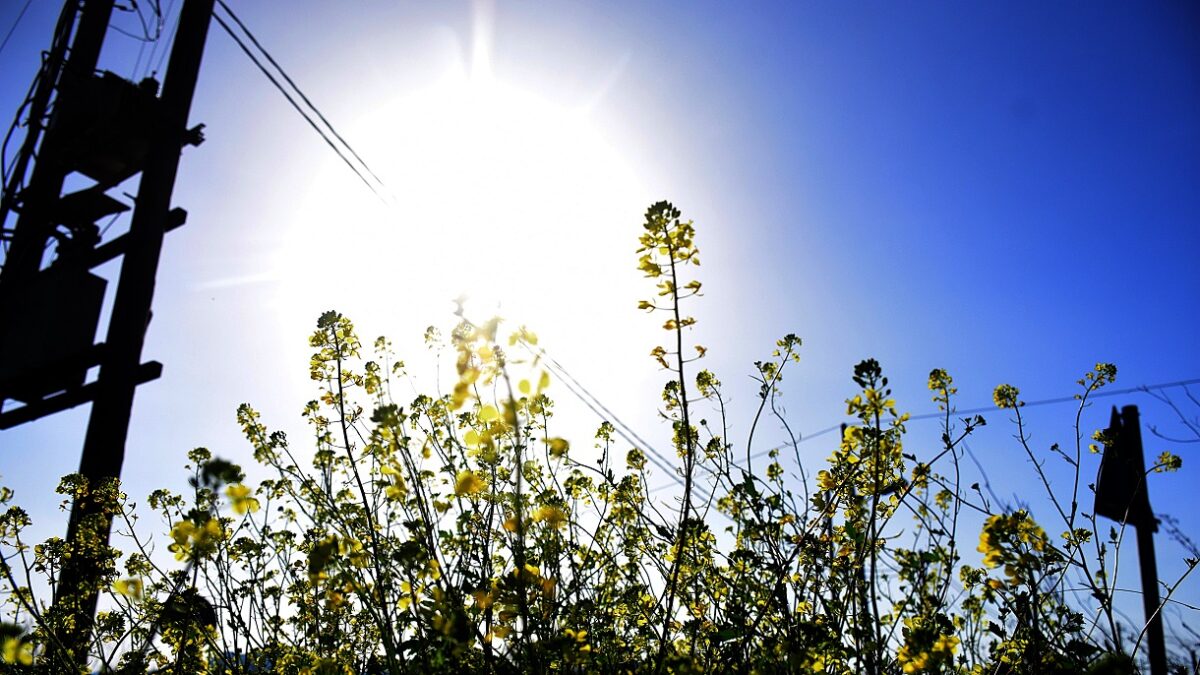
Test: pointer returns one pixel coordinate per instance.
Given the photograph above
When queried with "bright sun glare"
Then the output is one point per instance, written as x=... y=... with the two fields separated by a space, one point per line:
x=502 y=196
x=509 y=197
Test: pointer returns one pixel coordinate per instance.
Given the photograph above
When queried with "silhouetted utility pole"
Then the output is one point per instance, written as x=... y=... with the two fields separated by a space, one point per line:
x=107 y=129
x=47 y=79
x=1122 y=495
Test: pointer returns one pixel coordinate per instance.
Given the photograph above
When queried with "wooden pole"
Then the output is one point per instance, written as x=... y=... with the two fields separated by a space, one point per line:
x=1131 y=438
x=1122 y=495
x=108 y=425
x=33 y=228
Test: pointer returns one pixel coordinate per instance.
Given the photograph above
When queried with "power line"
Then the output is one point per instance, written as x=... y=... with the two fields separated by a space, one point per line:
x=1066 y=399
x=803 y=438
x=972 y=411
x=297 y=89
x=158 y=31
x=1026 y=404
x=165 y=44
x=602 y=411
x=296 y=105
x=576 y=387
x=16 y=22
x=623 y=430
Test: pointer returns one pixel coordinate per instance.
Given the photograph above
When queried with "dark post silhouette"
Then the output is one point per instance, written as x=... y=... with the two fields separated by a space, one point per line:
x=108 y=425
x=108 y=129
x=39 y=103
x=24 y=257
x=1122 y=495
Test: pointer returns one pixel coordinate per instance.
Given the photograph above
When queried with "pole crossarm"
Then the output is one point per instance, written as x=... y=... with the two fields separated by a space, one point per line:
x=147 y=372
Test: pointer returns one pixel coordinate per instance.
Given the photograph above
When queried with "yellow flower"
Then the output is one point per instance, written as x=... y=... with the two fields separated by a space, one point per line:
x=910 y=662
x=529 y=573
x=558 y=447
x=551 y=515
x=433 y=570
x=989 y=546
x=946 y=644
x=211 y=532
x=468 y=483
x=182 y=531
x=635 y=459
x=458 y=398
x=1005 y=396
x=939 y=379
x=18 y=652
x=523 y=334
x=131 y=588
x=1167 y=462
x=407 y=596
x=580 y=638
x=239 y=497
x=190 y=540
x=397 y=489
x=774 y=470
x=1002 y=535
x=483 y=599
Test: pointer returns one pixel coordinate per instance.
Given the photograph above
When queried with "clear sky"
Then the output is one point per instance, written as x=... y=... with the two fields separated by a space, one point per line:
x=1010 y=191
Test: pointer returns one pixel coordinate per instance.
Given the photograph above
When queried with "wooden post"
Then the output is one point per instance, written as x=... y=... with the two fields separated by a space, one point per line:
x=33 y=228
x=108 y=425
x=1122 y=495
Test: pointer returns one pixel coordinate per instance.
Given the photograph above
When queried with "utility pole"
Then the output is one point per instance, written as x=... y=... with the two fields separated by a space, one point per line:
x=47 y=79
x=108 y=129
x=1122 y=495
x=34 y=226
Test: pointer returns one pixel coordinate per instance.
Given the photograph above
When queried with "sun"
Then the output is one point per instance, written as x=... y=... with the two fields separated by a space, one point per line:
x=503 y=200
x=506 y=199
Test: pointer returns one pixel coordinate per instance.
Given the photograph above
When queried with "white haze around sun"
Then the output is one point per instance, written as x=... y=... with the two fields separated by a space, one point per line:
x=501 y=198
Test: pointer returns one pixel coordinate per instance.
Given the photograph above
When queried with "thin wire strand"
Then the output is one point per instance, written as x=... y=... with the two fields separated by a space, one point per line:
x=166 y=45
x=16 y=123
x=158 y=30
x=139 y=38
x=163 y=20
x=300 y=110
x=16 y=22
x=621 y=429
x=603 y=412
x=297 y=89
x=972 y=411
x=1065 y=399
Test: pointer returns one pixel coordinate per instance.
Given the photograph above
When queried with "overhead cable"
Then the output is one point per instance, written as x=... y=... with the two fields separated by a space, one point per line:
x=16 y=22
x=152 y=66
x=602 y=411
x=973 y=411
x=303 y=113
x=1065 y=399
x=298 y=91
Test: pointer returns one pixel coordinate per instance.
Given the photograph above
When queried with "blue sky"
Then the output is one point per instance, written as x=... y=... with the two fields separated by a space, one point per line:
x=1005 y=190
